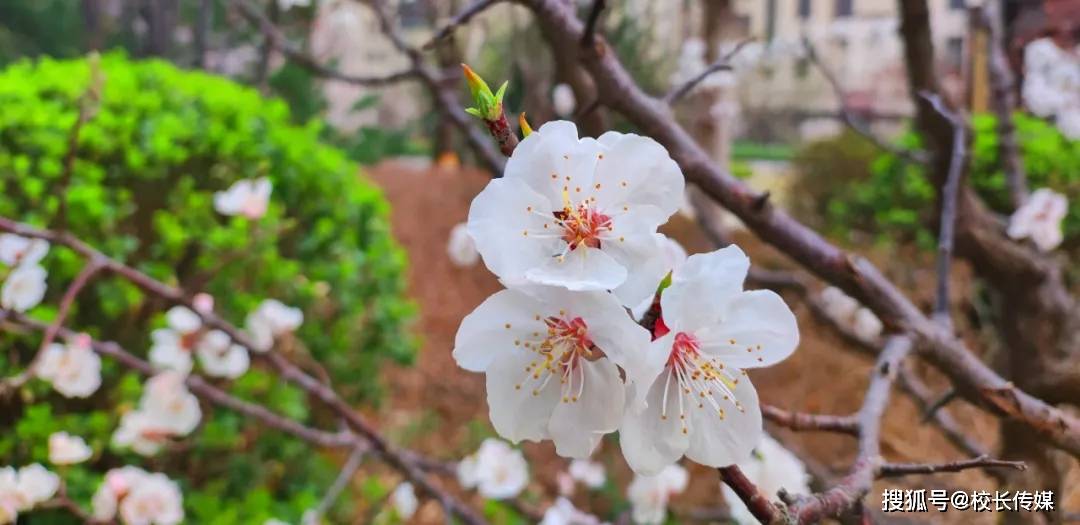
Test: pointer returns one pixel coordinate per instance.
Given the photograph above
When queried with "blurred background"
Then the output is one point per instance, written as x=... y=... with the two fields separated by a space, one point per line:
x=189 y=96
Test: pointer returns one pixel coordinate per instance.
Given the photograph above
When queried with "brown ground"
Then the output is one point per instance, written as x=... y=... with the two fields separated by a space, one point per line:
x=440 y=409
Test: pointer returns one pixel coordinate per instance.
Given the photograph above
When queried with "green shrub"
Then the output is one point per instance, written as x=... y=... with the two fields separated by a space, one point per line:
x=148 y=162
x=893 y=199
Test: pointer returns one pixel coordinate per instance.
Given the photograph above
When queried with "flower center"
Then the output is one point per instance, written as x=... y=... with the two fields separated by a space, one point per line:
x=583 y=225
x=559 y=353
x=699 y=379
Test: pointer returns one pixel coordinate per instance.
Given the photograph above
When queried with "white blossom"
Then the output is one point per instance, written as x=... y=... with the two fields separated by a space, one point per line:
x=551 y=359
x=9 y=500
x=461 y=248
x=74 y=369
x=696 y=400
x=771 y=468
x=578 y=213
x=172 y=346
x=155 y=500
x=837 y=304
x=496 y=470
x=563 y=101
x=248 y=198
x=1040 y=219
x=866 y=325
x=34 y=485
x=1052 y=84
x=563 y=512
x=219 y=357
x=24 y=288
x=673 y=255
x=21 y=251
x=140 y=498
x=649 y=494
x=404 y=500
x=167 y=409
x=271 y=320
x=589 y=473
x=65 y=449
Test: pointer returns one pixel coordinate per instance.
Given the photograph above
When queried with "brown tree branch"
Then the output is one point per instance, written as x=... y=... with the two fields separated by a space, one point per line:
x=805 y=421
x=757 y=503
x=1003 y=101
x=892 y=470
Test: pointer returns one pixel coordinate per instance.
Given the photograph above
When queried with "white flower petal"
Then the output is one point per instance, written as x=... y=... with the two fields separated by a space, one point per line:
x=578 y=425
x=702 y=286
x=757 y=329
x=183 y=320
x=581 y=269
x=720 y=441
x=65 y=449
x=653 y=438
x=24 y=288
x=519 y=410
x=649 y=174
x=493 y=327
x=506 y=221
x=460 y=248
x=555 y=149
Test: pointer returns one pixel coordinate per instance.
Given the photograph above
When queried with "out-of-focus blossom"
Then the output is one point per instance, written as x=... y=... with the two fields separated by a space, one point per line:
x=285 y=5
x=496 y=470
x=461 y=248
x=867 y=325
x=74 y=369
x=167 y=409
x=248 y=198
x=1052 y=84
x=404 y=500
x=34 y=484
x=271 y=320
x=772 y=467
x=65 y=449
x=562 y=98
x=563 y=512
x=172 y=346
x=589 y=473
x=219 y=357
x=1039 y=219
x=20 y=251
x=649 y=494
x=24 y=288
x=139 y=497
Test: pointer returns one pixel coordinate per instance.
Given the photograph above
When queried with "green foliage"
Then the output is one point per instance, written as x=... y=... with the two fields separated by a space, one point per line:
x=159 y=144
x=855 y=190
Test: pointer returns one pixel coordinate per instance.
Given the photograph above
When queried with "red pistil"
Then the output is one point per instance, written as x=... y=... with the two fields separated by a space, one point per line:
x=685 y=347
x=583 y=226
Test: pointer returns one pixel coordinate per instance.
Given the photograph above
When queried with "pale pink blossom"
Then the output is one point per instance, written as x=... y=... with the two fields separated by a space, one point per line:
x=66 y=449
x=1039 y=219
x=73 y=369
x=247 y=198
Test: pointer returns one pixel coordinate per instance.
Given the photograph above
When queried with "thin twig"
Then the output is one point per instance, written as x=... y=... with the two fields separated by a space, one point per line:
x=751 y=496
x=892 y=470
x=918 y=157
x=352 y=464
x=460 y=19
x=805 y=421
x=949 y=196
x=938 y=404
x=721 y=64
x=588 y=37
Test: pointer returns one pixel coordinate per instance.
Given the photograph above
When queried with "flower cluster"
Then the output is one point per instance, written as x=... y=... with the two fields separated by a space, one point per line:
x=496 y=470
x=1039 y=219
x=570 y=229
x=73 y=369
x=23 y=489
x=166 y=410
x=25 y=285
x=185 y=335
x=1052 y=84
x=138 y=497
